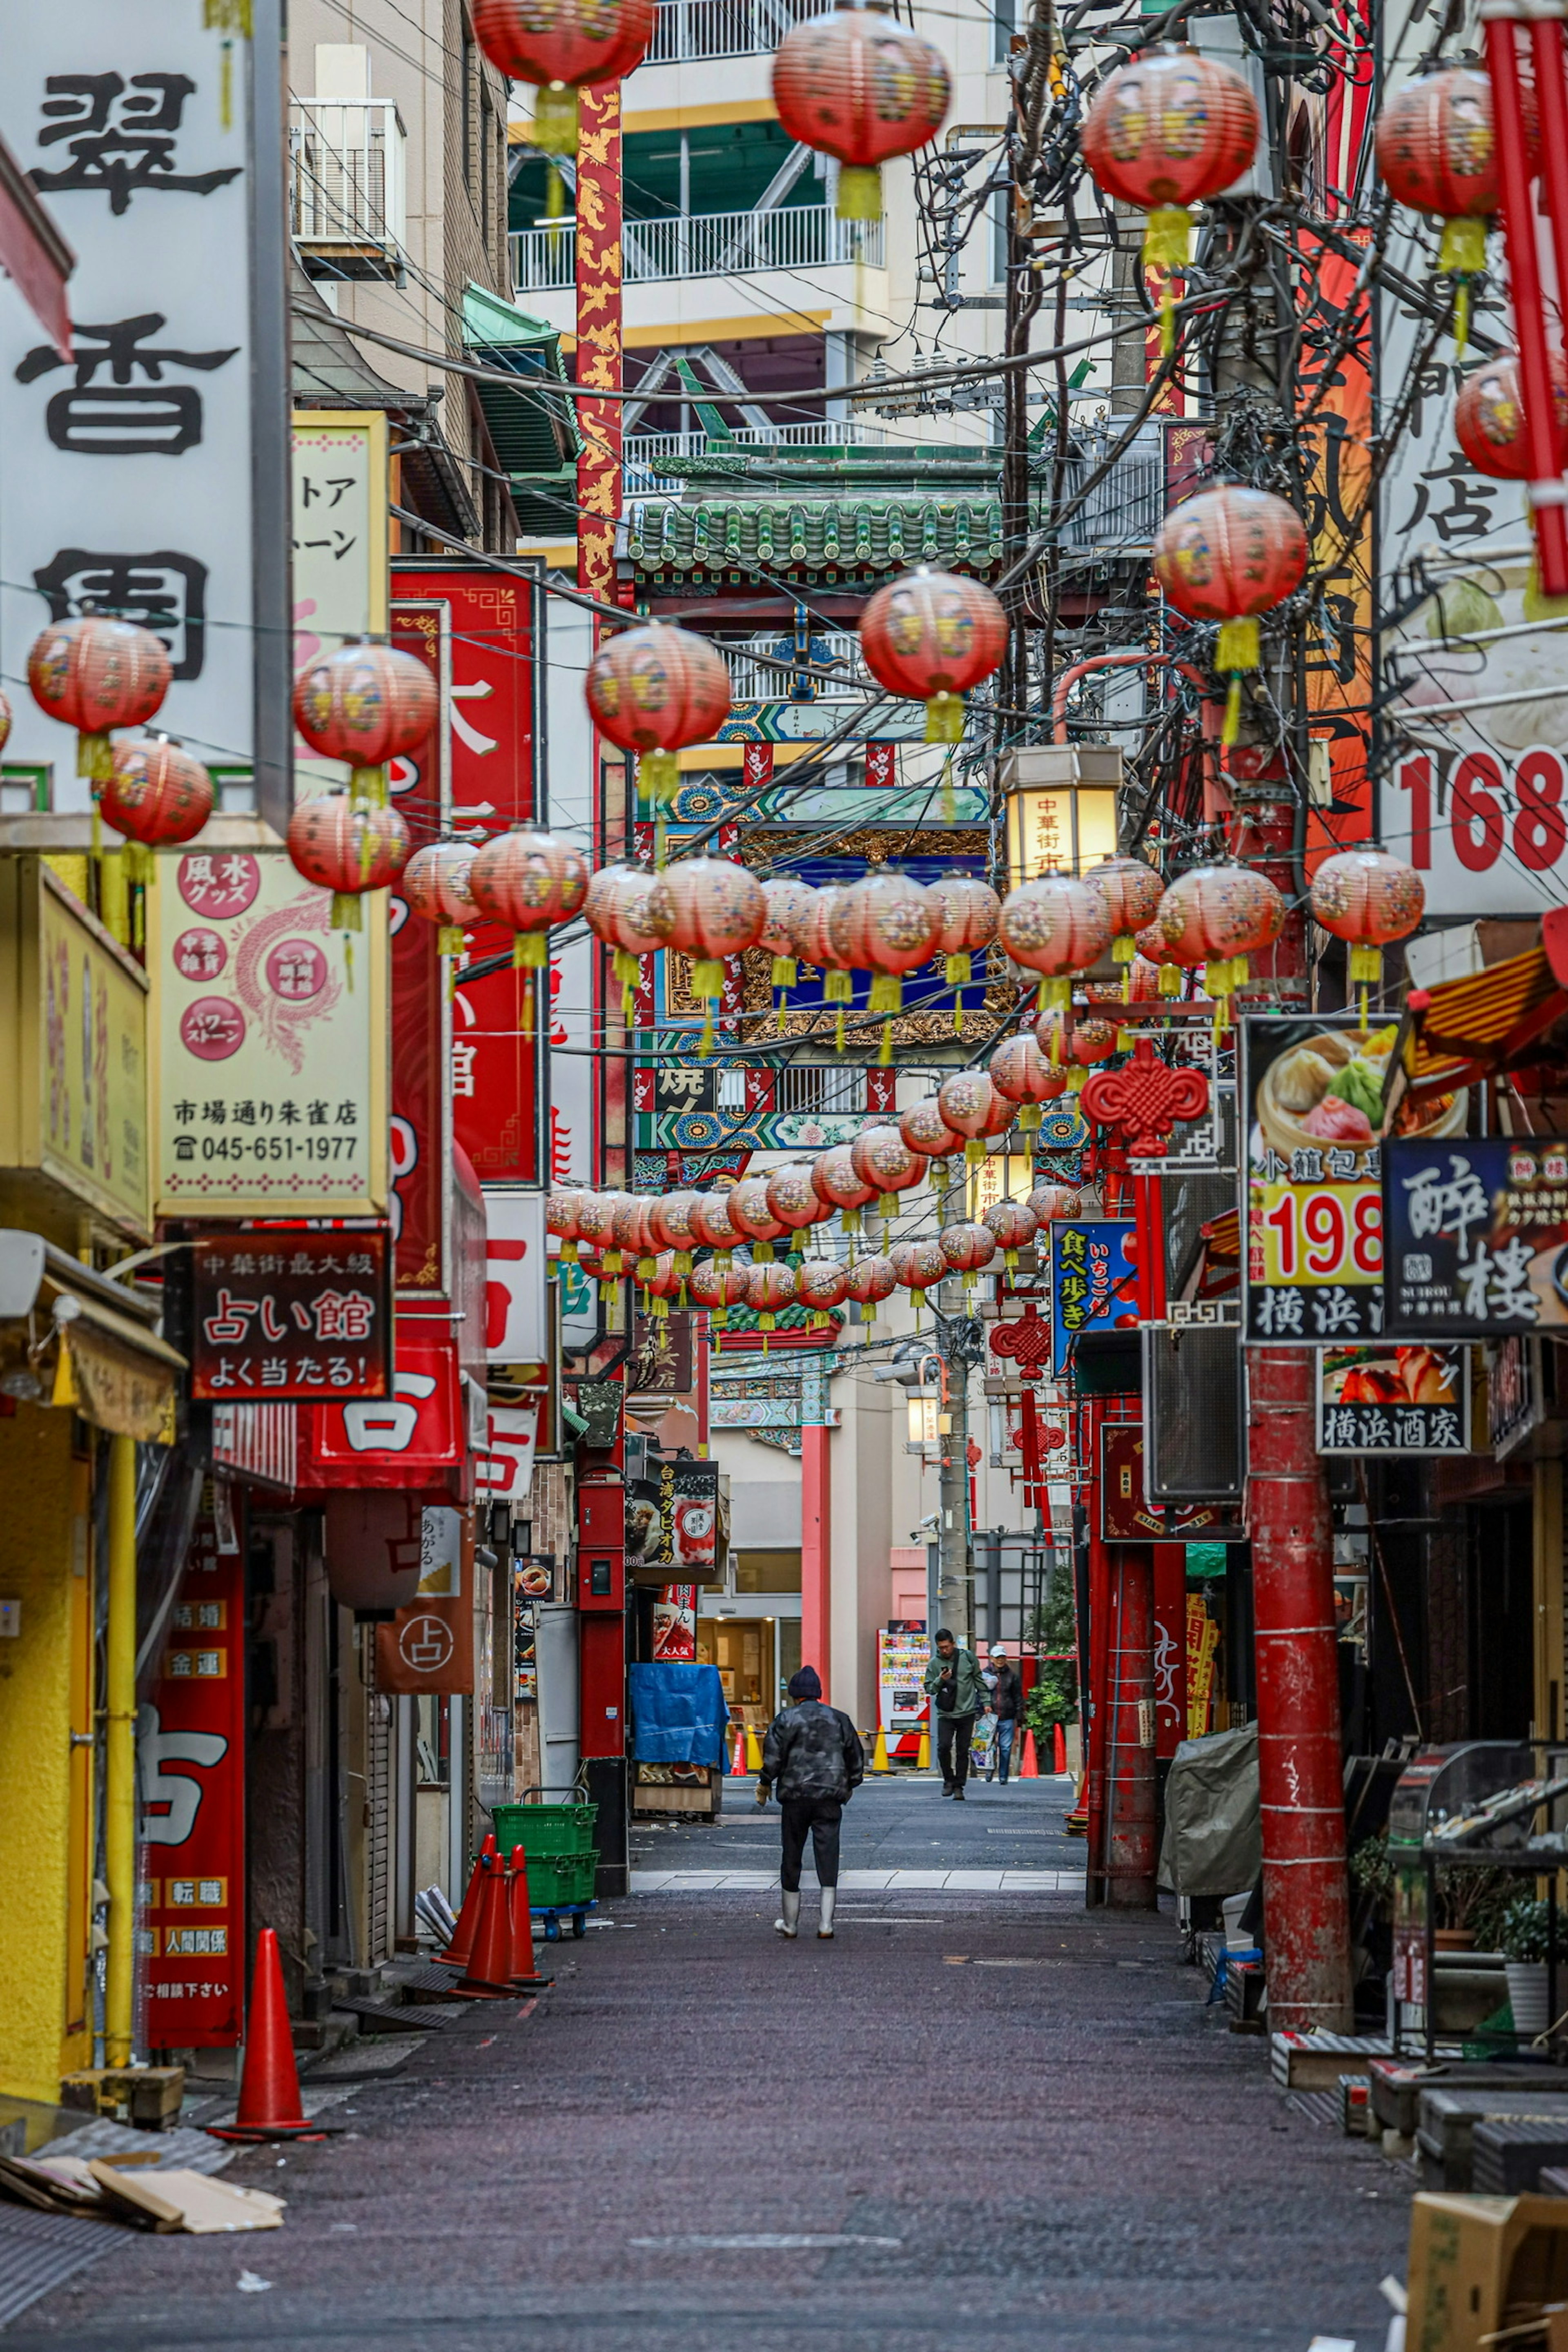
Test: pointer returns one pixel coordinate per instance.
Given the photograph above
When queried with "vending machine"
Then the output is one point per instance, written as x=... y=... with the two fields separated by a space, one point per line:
x=903 y=1654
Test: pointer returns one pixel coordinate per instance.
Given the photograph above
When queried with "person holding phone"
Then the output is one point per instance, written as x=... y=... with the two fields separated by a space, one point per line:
x=957 y=1689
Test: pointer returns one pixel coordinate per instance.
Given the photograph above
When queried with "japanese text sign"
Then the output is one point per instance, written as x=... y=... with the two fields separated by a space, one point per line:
x=1093 y=1282
x=1477 y=1235
x=339 y=476
x=128 y=468
x=288 y=1315
x=269 y=1063
x=429 y=1645
x=1393 y=1400
x=191 y=1756
x=1126 y=1514
x=1313 y=1254
x=410 y=1438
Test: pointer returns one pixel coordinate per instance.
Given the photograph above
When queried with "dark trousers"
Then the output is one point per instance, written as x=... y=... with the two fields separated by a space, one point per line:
x=953 y=1733
x=820 y=1816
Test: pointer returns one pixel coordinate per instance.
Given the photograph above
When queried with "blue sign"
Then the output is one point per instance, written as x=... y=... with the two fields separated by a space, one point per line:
x=1094 y=1284
x=1475 y=1233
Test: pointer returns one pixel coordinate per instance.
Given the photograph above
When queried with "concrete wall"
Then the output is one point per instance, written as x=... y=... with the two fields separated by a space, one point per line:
x=860 y=1455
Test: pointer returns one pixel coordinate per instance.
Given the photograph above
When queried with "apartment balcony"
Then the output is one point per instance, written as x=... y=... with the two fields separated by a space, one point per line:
x=687 y=30
x=704 y=245
x=648 y=456
x=347 y=204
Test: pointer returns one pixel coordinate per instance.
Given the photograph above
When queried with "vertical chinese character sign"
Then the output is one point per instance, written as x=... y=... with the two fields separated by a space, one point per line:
x=129 y=480
x=338 y=546
x=421 y=1103
x=191 y=1750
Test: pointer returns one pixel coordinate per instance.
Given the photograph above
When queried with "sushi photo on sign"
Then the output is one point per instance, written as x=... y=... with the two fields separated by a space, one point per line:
x=1393 y=1400
x=1477 y=1237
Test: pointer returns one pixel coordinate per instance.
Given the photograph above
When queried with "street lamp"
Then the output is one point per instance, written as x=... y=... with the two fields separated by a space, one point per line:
x=1061 y=808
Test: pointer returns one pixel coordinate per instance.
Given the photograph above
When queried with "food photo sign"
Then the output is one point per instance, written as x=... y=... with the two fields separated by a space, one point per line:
x=1397 y=1399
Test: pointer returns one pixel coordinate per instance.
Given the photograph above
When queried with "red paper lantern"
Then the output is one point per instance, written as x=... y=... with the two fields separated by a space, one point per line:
x=924 y=1130
x=665 y=1282
x=1089 y=1040
x=347 y=847
x=1055 y=926
x=969 y=908
x=1488 y=416
x=931 y=636
x=712 y=1223
x=719 y=912
x=1131 y=892
x=718 y=1287
x=1015 y=1226
x=1021 y=1073
x=839 y=1183
x=814 y=944
x=563 y=1210
x=366 y=704
x=8 y=721
x=972 y=1107
x=1219 y=915
x=631 y=911
x=1367 y=897
x=669 y=1221
x=1228 y=555
x=1436 y=150
x=633 y=1232
x=968 y=1249
x=1049 y=1200
x=563 y=47
x=884 y=925
x=784 y=900
x=821 y=1284
x=1156 y=949
x=156 y=794
x=94 y=674
x=917 y=1265
x=751 y=1213
x=597 y=1226
x=880 y=1157
x=530 y=881
x=436 y=885
x=794 y=1200
x=653 y=690
x=1165 y=130
x=858 y=86
x=869 y=1281
x=770 y=1289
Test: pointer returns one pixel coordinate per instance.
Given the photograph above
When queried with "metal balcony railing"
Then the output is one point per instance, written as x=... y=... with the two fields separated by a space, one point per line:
x=751 y=682
x=643 y=451
x=704 y=245
x=346 y=186
x=821 y=1089
x=1122 y=512
x=687 y=29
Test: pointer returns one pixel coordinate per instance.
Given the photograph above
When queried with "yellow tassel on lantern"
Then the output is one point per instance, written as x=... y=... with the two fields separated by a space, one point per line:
x=944 y=719
x=948 y=805
x=1237 y=650
x=1462 y=256
x=556 y=118
x=784 y=973
x=63 y=1391
x=859 y=191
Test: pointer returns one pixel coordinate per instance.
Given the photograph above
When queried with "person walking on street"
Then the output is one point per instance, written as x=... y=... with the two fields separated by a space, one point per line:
x=1007 y=1706
x=957 y=1688
x=812 y=1762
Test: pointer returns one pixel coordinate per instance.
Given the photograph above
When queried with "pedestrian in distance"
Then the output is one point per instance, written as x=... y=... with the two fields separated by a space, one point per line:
x=957 y=1689
x=812 y=1762
x=1007 y=1706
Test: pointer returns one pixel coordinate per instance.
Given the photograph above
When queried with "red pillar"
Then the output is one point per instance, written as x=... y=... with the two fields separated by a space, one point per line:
x=1305 y=1902
x=1129 y=1763
x=1170 y=1648
x=817 y=1554
x=1096 y=1712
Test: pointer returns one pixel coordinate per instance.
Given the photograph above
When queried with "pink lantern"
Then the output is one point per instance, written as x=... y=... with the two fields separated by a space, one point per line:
x=1049 y=1200
x=969 y=909
x=785 y=901
x=1014 y=1224
x=770 y=1289
x=1055 y=926
x=633 y=1232
x=1131 y=892
x=794 y=1200
x=884 y=925
x=917 y=1265
x=1153 y=949
x=670 y=1222
x=1367 y=897
x=870 y=1280
x=663 y=1284
x=837 y=1181
x=1220 y=915
x=436 y=885
x=1021 y=1073
x=971 y=1104
x=719 y=912
x=751 y=1214
x=631 y=911
x=880 y=1157
x=924 y=1130
x=821 y=1284
x=814 y=944
x=968 y=1249
x=718 y=1288
x=596 y=1228
x=712 y=1223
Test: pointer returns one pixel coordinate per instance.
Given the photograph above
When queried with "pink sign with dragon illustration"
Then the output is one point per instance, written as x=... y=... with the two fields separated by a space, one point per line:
x=270 y=1083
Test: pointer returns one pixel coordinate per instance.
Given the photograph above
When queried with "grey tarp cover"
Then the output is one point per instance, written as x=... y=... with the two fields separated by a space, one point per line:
x=1213 y=1840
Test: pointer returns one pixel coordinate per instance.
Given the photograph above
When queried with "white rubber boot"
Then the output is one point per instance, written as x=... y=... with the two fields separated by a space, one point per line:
x=789 y=1925
x=829 y=1898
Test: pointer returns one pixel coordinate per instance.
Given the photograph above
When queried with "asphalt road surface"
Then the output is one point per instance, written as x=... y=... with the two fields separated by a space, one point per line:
x=972 y=2119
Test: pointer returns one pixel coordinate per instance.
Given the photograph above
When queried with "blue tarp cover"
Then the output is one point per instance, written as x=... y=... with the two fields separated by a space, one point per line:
x=679 y=1714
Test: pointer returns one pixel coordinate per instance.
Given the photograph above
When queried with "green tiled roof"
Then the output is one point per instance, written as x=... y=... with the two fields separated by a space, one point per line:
x=847 y=534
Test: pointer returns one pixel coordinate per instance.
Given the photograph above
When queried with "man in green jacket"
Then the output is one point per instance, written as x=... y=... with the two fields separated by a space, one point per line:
x=958 y=1694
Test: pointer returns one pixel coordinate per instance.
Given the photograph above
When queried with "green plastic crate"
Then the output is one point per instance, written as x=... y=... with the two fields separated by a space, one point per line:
x=555 y=1880
x=546 y=1831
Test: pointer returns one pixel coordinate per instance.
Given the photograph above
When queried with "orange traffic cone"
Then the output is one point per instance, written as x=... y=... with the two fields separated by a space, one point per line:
x=521 y=1917
x=270 y=2085
x=1059 y=1749
x=456 y=1955
x=738 y=1769
x=1029 y=1769
x=1076 y=1822
x=487 y=1977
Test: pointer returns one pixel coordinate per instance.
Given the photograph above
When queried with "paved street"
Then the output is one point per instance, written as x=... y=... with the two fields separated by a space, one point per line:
x=974 y=2116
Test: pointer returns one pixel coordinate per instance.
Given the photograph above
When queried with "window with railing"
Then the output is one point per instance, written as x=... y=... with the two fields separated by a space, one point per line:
x=347 y=208
x=685 y=29
x=643 y=451
x=821 y=1089
x=704 y=245
x=751 y=681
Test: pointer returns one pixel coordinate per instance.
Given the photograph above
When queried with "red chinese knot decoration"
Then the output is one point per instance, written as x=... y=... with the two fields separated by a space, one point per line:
x=1144 y=1099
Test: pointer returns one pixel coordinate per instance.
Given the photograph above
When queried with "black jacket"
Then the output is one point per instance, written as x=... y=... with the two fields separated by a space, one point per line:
x=812 y=1750
x=1008 y=1695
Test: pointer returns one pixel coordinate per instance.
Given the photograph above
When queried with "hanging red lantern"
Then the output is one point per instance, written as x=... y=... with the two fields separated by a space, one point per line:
x=1436 y=150
x=869 y=1281
x=931 y=636
x=436 y=885
x=770 y=1289
x=917 y=1265
x=794 y=1200
x=1228 y=555
x=1220 y=915
x=347 y=847
x=596 y=1227
x=1021 y=1073
x=1087 y=1040
x=665 y=1282
x=1014 y=1224
x=784 y=899
x=968 y=1248
x=1488 y=416
x=1131 y=892
x=814 y=944
x=1049 y=1200
x=1165 y=130
x=530 y=881
x=653 y=690
x=633 y=1231
x=719 y=912
x=969 y=908
x=631 y=911
x=670 y=1222
x=1367 y=897
x=93 y=674
x=880 y=1157
x=8 y=720
x=925 y=1130
x=885 y=925
x=1156 y=949
x=712 y=1223
x=751 y=1215
x=563 y=47
x=366 y=704
x=1055 y=926
x=858 y=86
x=563 y=1210
x=972 y=1106
x=821 y=1284
x=839 y=1183
x=718 y=1288
x=156 y=794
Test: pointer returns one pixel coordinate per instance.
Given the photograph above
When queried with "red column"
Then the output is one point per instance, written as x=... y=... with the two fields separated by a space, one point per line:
x=1305 y=1903
x=1096 y=1712
x=1170 y=1648
x=817 y=1554
x=1129 y=1763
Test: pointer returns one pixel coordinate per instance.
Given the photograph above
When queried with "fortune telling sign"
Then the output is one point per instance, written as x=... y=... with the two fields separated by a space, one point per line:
x=282 y=1315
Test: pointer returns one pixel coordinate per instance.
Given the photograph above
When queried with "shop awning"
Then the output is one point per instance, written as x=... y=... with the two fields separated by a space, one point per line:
x=1461 y=1030
x=34 y=254
x=110 y=1365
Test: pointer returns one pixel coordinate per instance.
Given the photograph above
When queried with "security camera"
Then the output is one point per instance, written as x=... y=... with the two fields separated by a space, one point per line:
x=926 y=1523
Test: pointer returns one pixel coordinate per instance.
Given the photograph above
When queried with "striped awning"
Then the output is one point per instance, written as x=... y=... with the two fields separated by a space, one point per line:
x=1462 y=1030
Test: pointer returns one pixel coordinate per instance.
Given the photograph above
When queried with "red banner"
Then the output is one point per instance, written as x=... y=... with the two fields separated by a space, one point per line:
x=192 y=1765
x=418 y=1006
x=491 y=750
x=409 y=1439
